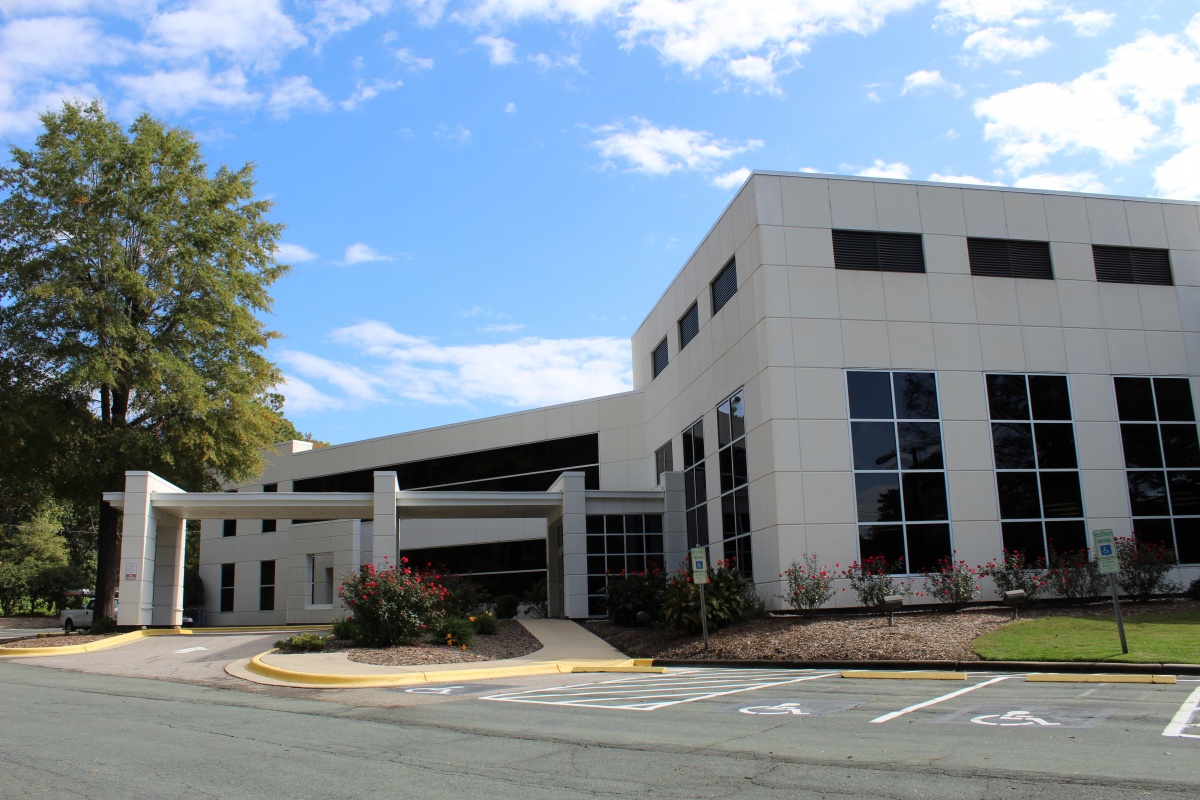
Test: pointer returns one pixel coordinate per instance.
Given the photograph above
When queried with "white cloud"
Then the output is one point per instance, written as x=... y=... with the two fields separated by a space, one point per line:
x=386 y=366
x=510 y=108
x=1179 y=175
x=881 y=169
x=187 y=89
x=501 y=327
x=296 y=92
x=545 y=62
x=500 y=51
x=937 y=177
x=338 y=16
x=995 y=44
x=293 y=253
x=249 y=32
x=977 y=13
x=366 y=91
x=301 y=397
x=360 y=253
x=410 y=59
x=927 y=79
x=646 y=148
x=1063 y=182
x=1088 y=23
x=731 y=180
x=755 y=71
x=460 y=135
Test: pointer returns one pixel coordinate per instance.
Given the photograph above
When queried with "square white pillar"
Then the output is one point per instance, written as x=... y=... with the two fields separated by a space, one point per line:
x=385 y=532
x=142 y=525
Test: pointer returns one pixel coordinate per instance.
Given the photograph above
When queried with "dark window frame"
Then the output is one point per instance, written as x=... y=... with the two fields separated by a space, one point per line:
x=1010 y=258
x=879 y=251
x=620 y=544
x=724 y=286
x=228 y=581
x=659 y=358
x=695 y=484
x=689 y=325
x=1148 y=266
x=664 y=461
x=266 y=589
x=733 y=466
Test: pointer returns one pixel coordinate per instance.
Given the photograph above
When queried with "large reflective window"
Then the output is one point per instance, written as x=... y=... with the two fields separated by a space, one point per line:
x=874 y=445
x=920 y=445
x=870 y=395
x=1007 y=397
x=1012 y=444
x=878 y=496
x=916 y=395
x=1055 y=445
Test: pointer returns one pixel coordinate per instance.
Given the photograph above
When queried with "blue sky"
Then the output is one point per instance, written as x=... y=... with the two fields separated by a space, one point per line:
x=483 y=198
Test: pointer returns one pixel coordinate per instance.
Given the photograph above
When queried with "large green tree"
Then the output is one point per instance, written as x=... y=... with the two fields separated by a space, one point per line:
x=132 y=286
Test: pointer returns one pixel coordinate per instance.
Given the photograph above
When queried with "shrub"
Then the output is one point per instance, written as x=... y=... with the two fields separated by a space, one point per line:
x=1074 y=576
x=391 y=605
x=1011 y=573
x=1193 y=591
x=302 y=643
x=345 y=628
x=463 y=595
x=872 y=581
x=729 y=597
x=954 y=583
x=627 y=595
x=506 y=606
x=1144 y=568
x=485 y=623
x=102 y=625
x=810 y=584
x=455 y=632
x=535 y=600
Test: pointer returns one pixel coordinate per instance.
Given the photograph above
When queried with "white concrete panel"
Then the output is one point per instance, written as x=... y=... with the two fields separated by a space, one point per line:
x=1146 y=225
x=806 y=202
x=771 y=245
x=585 y=417
x=996 y=301
x=865 y=344
x=896 y=207
x=817 y=342
x=1045 y=350
x=789 y=493
x=1189 y=307
x=906 y=297
x=764 y=501
x=1168 y=353
x=1183 y=233
x=1160 y=308
x=860 y=294
x=768 y=203
x=813 y=292
x=775 y=342
x=1099 y=445
x=1025 y=216
x=1072 y=262
x=786 y=445
x=1106 y=494
x=828 y=497
x=952 y=298
x=852 y=205
x=1087 y=350
x=1127 y=351
x=533 y=427
x=824 y=445
x=957 y=347
x=779 y=393
x=612 y=413
x=1066 y=219
x=976 y=542
x=942 y=210
x=808 y=247
x=1079 y=304
x=1002 y=347
x=835 y=546
x=1092 y=398
x=1121 y=305
x=973 y=496
x=821 y=393
x=1107 y=220
x=967 y=445
x=772 y=296
x=962 y=395
x=984 y=211
x=1038 y=302
x=910 y=345
x=946 y=254
x=1192 y=342
x=1185 y=267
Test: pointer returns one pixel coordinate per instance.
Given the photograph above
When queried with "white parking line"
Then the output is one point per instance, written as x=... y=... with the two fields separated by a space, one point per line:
x=936 y=700
x=1183 y=718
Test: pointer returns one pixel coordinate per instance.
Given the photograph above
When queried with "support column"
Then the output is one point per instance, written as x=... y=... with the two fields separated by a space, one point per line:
x=675 y=549
x=143 y=562
x=385 y=532
x=574 y=543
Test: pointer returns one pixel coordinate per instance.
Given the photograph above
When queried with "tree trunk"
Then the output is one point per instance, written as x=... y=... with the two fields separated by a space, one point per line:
x=108 y=561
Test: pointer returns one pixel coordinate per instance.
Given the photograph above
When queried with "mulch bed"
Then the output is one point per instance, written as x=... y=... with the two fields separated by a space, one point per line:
x=511 y=641
x=933 y=636
x=20 y=623
x=60 y=640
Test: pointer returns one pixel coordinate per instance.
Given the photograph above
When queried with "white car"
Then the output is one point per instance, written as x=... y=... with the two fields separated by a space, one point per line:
x=81 y=617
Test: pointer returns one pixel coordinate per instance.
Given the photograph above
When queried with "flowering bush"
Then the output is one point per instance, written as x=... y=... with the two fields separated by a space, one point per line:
x=872 y=581
x=455 y=632
x=391 y=605
x=1074 y=576
x=627 y=595
x=810 y=584
x=1012 y=573
x=1144 y=568
x=729 y=597
x=953 y=583
x=463 y=595
x=485 y=623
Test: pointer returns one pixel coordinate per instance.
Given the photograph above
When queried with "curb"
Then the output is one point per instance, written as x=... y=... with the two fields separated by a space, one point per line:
x=91 y=647
x=1074 y=667
x=1051 y=677
x=925 y=675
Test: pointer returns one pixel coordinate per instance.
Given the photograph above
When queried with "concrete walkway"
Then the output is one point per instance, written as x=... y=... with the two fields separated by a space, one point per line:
x=566 y=647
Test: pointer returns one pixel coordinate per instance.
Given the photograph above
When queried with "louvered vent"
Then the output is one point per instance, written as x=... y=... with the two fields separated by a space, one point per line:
x=1009 y=258
x=724 y=286
x=870 y=250
x=659 y=358
x=689 y=325
x=1131 y=265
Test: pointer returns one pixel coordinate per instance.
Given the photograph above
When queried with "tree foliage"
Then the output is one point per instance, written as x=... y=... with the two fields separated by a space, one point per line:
x=131 y=292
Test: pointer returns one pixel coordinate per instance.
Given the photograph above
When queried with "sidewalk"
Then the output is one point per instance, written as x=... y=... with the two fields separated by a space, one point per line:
x=567 y=647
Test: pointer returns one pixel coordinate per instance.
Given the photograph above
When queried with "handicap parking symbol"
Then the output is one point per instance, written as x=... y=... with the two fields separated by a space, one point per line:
x=782 y=708
x=1012 y=718
x=1106 y=549
x=790 y=707
x=1030 y=717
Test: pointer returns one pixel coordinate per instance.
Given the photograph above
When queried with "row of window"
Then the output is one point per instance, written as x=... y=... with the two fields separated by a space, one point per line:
x=1004 y=258
x=721 y=290
x=266 y=586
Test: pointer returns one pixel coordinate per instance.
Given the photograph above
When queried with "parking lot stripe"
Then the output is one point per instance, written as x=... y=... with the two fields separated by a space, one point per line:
x=1062 y=677
x=936 y=700
x=1183 y=718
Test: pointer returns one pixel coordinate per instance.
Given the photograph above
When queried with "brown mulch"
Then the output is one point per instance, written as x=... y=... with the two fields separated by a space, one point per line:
x=511 y=641
x=61 y=640
x=932 y=636
x=20 y=623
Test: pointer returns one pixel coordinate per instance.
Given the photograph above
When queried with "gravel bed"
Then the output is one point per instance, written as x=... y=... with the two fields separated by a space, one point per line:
x=916 y=635
x=62 y=640
x=511 y=641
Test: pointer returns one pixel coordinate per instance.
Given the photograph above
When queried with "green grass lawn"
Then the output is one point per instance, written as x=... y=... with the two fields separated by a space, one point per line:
x=1171 y=638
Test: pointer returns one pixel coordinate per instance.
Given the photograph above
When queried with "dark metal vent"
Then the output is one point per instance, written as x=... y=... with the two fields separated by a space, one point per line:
x=871 y=250
x=724 y=286
x=1132 y=265
x=689 y=325
x=1010 y=258
x=659 y=358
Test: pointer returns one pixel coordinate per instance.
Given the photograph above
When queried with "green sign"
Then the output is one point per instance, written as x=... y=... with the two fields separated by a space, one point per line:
x=1106 y=551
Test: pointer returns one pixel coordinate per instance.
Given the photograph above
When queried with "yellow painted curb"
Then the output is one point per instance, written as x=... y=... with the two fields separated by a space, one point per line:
x=906 y=676
x=643 y=662
x=268 y=628
x=91 y=647
x=1058 y=677
x=631 y=668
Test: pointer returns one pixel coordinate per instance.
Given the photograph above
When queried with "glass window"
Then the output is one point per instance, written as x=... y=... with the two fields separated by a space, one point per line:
x=689 y=325
x=266 y=586
x=663 y=462
x=695 y=487
x=735 y=494
x=724 y=286
x=616 y=545
x=227 y=582
x=658 y=359
x=870 y=395
x=229 y=527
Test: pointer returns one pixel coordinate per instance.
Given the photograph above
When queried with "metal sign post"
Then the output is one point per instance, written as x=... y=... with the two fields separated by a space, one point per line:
x=1109 y=564
x=700 y=578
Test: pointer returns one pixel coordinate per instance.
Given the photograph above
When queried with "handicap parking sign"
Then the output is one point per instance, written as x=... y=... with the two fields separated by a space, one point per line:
x=1106 y=549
